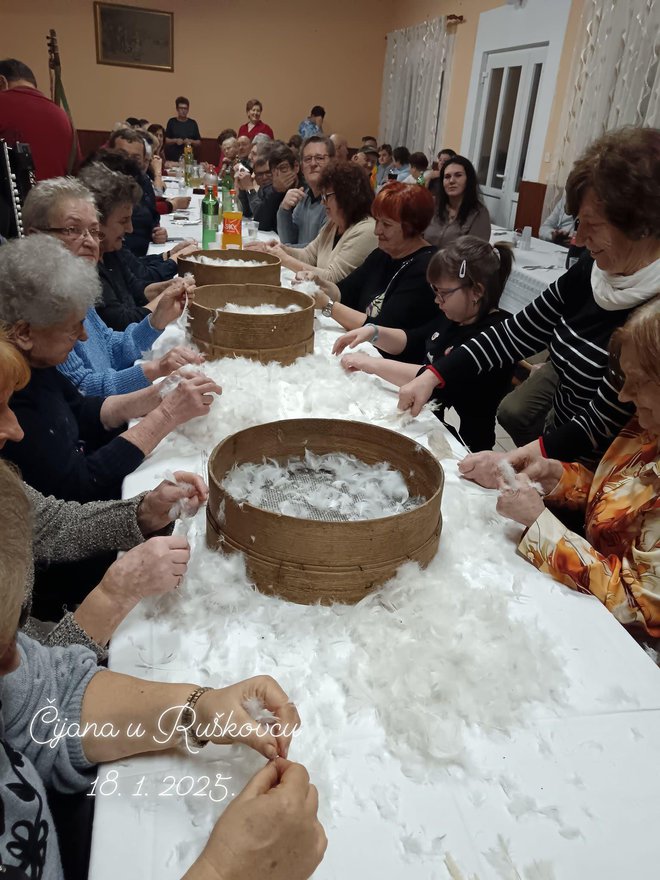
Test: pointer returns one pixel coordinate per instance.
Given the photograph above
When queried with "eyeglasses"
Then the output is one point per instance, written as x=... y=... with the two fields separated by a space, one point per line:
x=282 y=168
x=319 y=159
x=75 y=232
x=325 y=197
x=615 y=374
x=443 y=294
x=262 y=175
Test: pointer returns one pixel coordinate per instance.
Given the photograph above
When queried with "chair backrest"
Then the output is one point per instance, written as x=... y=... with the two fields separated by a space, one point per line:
x=530 y=205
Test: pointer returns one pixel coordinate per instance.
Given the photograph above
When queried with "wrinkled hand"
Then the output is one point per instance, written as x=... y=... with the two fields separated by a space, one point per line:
x=358 y=363
x=292 y=197
x=523 y=505
x=176 y=358
x=191 y=398
x=172 y=302
x=415 y=394
x=353 y=338
x=545 y=471
x=283 y=182
x=270 y=830
x=271 y=738
x=155 y=567
x=483 y=468
x=184 y=250
x=159 y=235
x=327 y=289
x=153 y=512
x=179 y=203
x=262 y=246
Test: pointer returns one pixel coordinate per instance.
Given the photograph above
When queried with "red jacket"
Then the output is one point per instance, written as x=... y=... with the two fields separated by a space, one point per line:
x=28 y=116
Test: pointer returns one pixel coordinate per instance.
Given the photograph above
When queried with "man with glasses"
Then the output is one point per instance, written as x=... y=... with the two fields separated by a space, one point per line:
x=180 y=131
x=301 y=216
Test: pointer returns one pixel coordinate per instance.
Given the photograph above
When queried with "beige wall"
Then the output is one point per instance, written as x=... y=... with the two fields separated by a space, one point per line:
x=291 y=55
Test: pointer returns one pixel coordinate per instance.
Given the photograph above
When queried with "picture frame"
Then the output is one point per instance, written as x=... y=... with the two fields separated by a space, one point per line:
x=131 y=36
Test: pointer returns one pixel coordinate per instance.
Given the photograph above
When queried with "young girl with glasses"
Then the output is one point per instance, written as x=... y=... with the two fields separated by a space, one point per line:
x=467 y=278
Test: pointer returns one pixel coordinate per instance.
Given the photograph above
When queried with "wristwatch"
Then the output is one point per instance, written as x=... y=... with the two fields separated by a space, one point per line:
x=326 y=311
x=188 y=718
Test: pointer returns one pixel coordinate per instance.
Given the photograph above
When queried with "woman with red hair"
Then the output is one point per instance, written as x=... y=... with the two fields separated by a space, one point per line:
x=390 y=288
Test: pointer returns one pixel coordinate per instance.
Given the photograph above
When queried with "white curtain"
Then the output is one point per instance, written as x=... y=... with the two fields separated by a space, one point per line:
x=615 y=79
x=415 y=86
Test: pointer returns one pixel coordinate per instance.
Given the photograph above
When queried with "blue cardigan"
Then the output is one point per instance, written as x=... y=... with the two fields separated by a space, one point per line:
x=104 y=364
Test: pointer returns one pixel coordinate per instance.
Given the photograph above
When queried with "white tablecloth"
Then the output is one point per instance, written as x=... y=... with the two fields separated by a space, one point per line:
x=477 y=709
x=532 y=272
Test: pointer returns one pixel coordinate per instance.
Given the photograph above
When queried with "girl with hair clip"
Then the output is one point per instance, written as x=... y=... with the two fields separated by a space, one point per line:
x=468 y=278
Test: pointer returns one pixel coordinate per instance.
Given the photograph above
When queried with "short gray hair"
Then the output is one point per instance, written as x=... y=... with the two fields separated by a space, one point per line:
x=44 y=198
x=261 y=138
x=42 y=283
x=109 y=188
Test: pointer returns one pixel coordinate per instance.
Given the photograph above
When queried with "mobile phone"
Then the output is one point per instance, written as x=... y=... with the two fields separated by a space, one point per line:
x=175 y=238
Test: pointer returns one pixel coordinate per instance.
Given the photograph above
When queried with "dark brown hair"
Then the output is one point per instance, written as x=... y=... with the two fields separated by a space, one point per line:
x=351 y=187
x=253 y=103
x=485 y=264
x=623 y=169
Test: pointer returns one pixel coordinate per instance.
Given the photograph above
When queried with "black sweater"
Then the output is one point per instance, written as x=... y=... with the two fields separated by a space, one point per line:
x=566 y=319
x=393 y=293
x=475 y=398
x=123 y=296
x=66 y=451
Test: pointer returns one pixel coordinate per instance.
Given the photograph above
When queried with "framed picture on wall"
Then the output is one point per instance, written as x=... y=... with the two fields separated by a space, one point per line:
x=129 y=36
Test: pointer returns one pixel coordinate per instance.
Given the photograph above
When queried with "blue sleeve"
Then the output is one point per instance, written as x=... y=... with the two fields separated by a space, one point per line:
x=49 y=682
x=102 y=384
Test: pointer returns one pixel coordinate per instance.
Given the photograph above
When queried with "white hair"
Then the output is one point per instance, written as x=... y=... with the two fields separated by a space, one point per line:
x=44 y=198
x=42 y=283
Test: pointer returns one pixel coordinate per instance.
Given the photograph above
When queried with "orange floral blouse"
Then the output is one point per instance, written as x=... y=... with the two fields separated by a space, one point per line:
x=619 y=561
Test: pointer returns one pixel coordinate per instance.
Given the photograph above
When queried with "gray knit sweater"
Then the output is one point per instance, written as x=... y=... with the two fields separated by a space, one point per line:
x=61 y=675
x=65 y=531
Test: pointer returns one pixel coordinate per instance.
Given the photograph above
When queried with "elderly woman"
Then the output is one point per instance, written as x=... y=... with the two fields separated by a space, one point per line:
x=68 y=531
x=72 y=447
x=348 y=237
x=390 y=287
x=105 y=362
x=460 y=210
x=126 y=297
x=614 y=191
x=270 y=829
x=254 y=124
x=619 y=559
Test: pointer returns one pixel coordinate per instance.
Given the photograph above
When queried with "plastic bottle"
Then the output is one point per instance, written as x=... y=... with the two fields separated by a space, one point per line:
x=232 y=224
x=210 y=218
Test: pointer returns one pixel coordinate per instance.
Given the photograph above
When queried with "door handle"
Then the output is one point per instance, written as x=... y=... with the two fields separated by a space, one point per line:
x=501 y=176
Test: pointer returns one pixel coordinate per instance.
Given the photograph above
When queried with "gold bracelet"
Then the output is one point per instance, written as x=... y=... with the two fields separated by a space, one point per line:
x=188 y=718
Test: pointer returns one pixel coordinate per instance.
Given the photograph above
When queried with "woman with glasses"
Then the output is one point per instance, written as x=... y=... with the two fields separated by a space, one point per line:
x=390 y=287
x=467 y=279
x=105 y=362
x=618 y=559
x=77 y=448
x=614 y=191
x=348 y=237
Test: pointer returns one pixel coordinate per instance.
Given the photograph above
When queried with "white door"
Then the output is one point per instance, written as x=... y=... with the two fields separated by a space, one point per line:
x=504 y=119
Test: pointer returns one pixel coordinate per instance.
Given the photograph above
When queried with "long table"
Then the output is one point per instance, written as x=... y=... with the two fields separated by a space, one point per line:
x=533 y=269
x=476 y=713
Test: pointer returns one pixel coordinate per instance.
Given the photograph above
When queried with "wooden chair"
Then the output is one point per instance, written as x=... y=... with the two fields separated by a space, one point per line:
x=530 y=206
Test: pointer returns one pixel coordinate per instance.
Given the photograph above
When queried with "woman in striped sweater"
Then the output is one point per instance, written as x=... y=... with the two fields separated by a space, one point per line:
x=614 y=191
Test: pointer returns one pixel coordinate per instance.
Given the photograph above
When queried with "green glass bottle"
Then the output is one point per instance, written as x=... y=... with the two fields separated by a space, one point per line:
x=210 y=218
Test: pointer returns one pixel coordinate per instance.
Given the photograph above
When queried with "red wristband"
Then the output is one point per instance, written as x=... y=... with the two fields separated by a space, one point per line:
x=441 y=381
x=542 y=445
